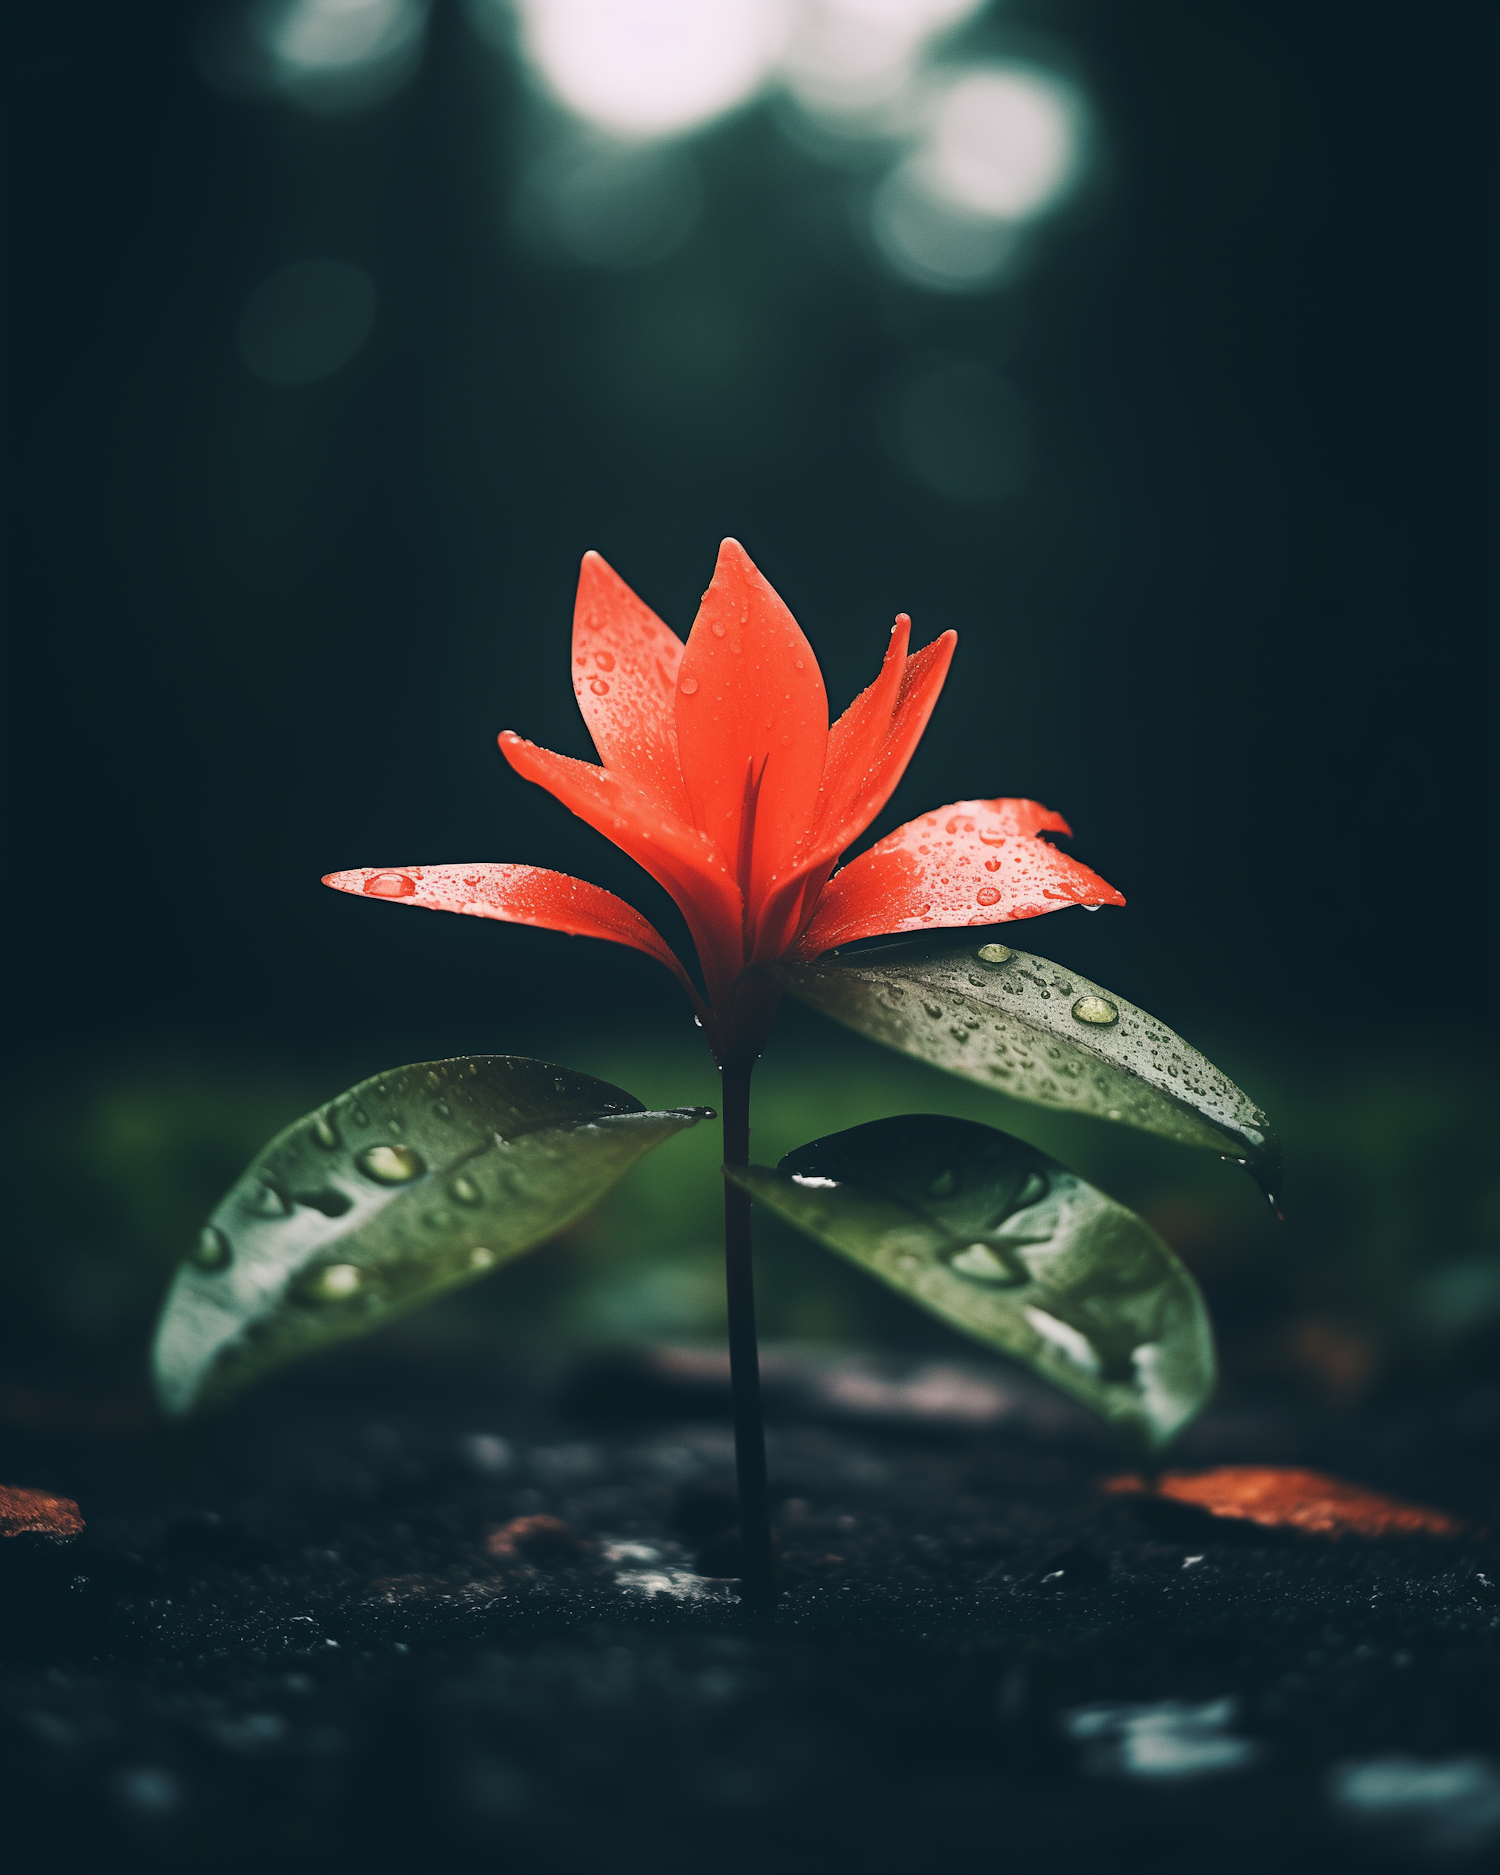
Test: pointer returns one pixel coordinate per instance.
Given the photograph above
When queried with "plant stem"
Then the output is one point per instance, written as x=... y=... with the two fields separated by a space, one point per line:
x=756 y=1574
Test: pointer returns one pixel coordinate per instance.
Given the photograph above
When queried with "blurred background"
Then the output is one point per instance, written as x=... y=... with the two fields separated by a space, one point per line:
x=1148 y=345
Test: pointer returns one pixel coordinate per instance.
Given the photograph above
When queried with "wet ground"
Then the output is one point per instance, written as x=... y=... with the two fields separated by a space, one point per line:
x=387 y=1612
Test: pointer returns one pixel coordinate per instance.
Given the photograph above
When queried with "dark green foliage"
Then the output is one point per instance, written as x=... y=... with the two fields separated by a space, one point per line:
x=1028 y=1028
x=414 y=1182
x=1015 y=1250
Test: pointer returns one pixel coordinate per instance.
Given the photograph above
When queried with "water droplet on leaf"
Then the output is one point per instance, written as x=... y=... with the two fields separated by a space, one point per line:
x=442 y=1109
x=1032 y=1192
x=1096 y=1010
x=465 y=1191
x=390 y=885
x=211 y=1252
x=335 y=1282
x=980 y=1264
x=324 y=1132
x=481 y=1258
x=391 y=1165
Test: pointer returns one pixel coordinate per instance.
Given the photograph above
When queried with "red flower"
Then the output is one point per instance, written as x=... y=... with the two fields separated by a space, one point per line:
x=721 y=776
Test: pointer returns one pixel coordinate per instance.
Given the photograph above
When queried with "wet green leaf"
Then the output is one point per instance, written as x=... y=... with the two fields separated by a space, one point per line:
x=1016 y=1250
x=1040 y=1033
x=412 y=1183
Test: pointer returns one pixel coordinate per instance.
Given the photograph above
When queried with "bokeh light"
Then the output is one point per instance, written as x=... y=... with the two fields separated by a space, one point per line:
x=934 y=243
x=652 y=68
x=848 y=62
x=948 y=156
x=1003 y=145
x=610 y=205
x=324 y=55
x=1004 y=142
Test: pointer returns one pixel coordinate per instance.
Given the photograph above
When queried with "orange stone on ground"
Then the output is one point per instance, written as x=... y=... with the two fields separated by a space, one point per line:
x=533 y=1537
x=1294 y=1500
x=37 y=1513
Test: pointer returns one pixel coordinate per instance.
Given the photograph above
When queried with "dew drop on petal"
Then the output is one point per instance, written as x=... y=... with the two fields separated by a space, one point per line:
x=990 y=837
x=605 y=660
x=689 y=685
x=717 y=629
x=987 y=895
x=992 y=865
x=390 y=885
x=599 y=687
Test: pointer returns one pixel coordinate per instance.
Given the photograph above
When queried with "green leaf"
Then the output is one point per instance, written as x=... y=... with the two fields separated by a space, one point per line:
x=412 y=1183
x=1031 y=1029
x=1016 y=1250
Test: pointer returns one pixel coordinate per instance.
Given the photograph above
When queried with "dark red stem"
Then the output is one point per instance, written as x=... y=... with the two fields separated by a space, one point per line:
x=756 y=1573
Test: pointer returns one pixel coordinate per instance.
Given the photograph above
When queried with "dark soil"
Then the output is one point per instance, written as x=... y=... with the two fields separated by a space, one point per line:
x=384 y=1615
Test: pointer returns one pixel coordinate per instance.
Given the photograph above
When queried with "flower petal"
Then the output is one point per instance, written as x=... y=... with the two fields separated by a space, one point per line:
x=868 y=750
x=516 y=895
x=873 y=757
x=971 y=863
x=676 y=854
x=752 y=723
x=625 y=677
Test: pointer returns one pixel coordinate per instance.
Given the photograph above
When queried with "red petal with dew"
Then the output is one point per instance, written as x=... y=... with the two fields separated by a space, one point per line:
x=515 y=895
x=970 y=863
x=752 y=723
x=676 y=855
x=625 y=677
x=868 y=750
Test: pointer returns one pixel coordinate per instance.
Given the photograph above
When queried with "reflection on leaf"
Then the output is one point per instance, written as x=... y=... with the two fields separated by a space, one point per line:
x=1016 y=1250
